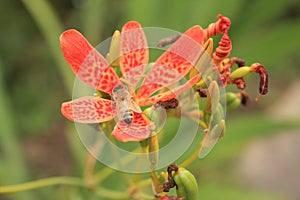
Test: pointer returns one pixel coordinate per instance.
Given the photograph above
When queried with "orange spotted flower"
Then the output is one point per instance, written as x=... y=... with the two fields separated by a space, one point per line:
x=125 y=104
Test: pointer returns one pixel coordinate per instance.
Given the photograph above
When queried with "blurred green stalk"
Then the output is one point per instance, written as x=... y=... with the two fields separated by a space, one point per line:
x=63 y=180
x=92 y=20
x=13 y=163
x=48 y=22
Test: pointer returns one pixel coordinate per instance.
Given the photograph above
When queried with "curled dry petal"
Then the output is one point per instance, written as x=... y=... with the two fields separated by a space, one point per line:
x=223 y=50
x=219 y=27
x=240 y=83
x=263 y=84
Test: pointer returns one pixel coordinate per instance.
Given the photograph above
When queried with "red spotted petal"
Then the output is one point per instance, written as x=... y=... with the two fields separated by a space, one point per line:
x=88 y=109
x=138 y=130
x=174 y=63
x=86 y=62
x=165 y=96
x=134 y=52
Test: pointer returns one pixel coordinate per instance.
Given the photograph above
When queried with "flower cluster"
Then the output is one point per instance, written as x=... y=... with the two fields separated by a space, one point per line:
x=129 y=51
x=128 y=88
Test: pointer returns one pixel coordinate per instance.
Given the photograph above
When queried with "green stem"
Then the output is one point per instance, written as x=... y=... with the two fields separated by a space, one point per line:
x=143 y=183
x=64 y=180
x=117 y=158
x=89 y=170
x=102 y=174
x=153 y=147
x=145 y=196
x=193 y=157
x=111 y=194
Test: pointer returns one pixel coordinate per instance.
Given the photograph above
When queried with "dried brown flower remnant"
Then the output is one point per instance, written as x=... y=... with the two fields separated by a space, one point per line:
x=219 y=27
x=263 y=84
x=169 y=104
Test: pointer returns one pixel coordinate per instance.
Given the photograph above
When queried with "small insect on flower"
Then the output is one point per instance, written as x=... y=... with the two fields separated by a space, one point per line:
x=123 y=104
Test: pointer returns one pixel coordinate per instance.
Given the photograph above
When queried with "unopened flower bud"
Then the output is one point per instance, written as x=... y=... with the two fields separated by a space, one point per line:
x=213 y=97
x=208 y=46
x=113 y=56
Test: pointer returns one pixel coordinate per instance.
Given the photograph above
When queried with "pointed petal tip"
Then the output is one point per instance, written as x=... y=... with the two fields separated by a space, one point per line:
x=68 y=33
x=131 y=25
x=123 y=137
x=195 y=33
x=65 y=106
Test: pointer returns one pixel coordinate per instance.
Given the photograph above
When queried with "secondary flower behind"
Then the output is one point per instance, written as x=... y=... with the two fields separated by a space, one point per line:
x=124 y=105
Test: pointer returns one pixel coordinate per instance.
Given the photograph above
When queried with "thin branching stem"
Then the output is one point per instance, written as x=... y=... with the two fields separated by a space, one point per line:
x=63 y=180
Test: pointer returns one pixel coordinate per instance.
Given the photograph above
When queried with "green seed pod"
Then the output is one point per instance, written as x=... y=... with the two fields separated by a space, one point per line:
x=233 y=104
x=240 y=72
x=230 y=96
x=187 y=186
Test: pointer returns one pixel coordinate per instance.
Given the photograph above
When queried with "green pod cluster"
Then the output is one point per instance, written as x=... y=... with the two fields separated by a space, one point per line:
x=186 y=183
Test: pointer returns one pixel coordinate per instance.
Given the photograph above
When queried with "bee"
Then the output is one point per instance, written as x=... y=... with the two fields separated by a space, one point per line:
x=124 y=104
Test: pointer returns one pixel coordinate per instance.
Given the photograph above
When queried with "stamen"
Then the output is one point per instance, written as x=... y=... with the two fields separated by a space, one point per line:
x=126 y=82
x=166 y=41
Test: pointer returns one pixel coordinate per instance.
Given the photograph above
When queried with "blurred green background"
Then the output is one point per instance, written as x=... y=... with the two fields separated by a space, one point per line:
x=36 y=141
